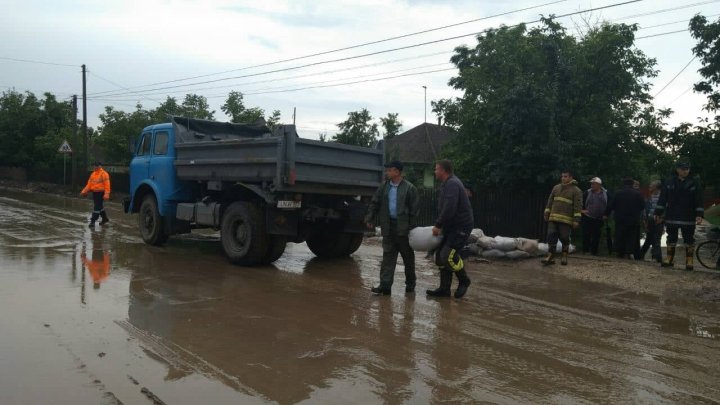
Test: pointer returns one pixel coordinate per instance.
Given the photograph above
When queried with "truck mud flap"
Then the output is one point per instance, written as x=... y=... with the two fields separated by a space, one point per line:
x=282 y=222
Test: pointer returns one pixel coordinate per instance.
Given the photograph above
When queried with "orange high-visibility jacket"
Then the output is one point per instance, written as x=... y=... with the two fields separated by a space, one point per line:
x=99 y=181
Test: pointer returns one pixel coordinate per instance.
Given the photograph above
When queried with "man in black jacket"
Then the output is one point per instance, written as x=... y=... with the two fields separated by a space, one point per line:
x=454 y=222
x=628 y=205
x=681 y=208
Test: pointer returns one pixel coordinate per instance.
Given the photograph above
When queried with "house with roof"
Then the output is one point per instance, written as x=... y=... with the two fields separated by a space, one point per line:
x=418 y=149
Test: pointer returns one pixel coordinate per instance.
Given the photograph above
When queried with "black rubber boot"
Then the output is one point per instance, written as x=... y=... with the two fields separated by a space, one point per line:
x=445 y=282
x=463 y=283
x=93 y=218
x=564 y=255
x=104 y=216
x=550 y=258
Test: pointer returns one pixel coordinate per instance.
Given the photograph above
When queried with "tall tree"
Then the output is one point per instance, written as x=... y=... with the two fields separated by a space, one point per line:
x=391 y=124
x=538 y=100
x=274 y=120
x=358 y=129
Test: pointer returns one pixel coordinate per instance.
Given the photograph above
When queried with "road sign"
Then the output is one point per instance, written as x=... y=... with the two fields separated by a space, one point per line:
x=65 y=147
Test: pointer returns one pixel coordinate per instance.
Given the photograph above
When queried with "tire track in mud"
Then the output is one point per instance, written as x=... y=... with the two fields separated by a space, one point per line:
x=184 y=359
x=580 y=348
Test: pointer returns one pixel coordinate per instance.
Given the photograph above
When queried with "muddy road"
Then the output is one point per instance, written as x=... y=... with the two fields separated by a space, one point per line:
x=91 y=317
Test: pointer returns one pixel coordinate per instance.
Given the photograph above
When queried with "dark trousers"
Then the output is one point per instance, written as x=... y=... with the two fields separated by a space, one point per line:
x=592 y=227
x=98 y=208
x=558 y=231
x=688 y=234
x=652 y=241
x=392 y=245
x=627 y=237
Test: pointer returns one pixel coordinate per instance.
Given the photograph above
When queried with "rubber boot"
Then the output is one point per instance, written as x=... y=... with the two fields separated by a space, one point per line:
x=689 y=252
x=93 y=218
x=550 y=258
x=445 y=282
x=564 y=255
x=104 y=216
x=670 y=256
x=463 y=283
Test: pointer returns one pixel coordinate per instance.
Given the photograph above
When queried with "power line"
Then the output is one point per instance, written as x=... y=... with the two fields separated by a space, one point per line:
x=661 y=34
x=288 y=77
x=120 y=86
x=667 y=10
x=37 y=62
x=354 y=46
x=382 y=51
x=675 y=77
x=678 y=97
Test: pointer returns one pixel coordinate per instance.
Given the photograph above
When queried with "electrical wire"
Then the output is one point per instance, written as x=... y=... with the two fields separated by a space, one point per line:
x=675 y=77
x=382 y=51
x=37 y=62
x=354 y=46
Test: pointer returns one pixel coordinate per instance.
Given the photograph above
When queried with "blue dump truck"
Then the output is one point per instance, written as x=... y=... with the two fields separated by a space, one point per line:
x=260 y=188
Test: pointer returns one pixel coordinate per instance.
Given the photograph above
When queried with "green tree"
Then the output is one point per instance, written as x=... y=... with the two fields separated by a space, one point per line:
x=391 y=124
x=538 y=100
x=118 y=129
x=274 y=120
x=447 y=111
x=195 y=106
x=235 y=108
x=358 y=129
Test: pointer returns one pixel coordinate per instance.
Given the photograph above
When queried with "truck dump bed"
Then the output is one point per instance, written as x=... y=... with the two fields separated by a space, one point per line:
x=279 y=159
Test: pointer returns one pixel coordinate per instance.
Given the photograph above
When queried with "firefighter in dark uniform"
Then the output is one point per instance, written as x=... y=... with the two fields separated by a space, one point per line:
x=455 y=222
x=681 y=208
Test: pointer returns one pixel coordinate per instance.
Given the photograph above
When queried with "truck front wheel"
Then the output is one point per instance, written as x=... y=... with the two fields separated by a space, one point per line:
x=150 y=222
x=244 y=235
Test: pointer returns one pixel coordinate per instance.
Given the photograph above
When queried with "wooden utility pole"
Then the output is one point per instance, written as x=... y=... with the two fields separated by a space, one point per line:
x=73 y=139
x=84 y=124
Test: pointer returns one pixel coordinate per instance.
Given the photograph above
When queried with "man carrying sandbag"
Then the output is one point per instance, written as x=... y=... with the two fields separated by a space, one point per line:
x=454 y=222
x=394 y=207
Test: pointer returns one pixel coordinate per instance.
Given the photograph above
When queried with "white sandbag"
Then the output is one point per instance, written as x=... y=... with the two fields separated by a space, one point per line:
x=473 y=249
x=517 y=254
x=505 y=244
x=486 y=242
x=422 y=239
x=528 y=245
x=475 y=235
x=543 y=248
x=493 y=254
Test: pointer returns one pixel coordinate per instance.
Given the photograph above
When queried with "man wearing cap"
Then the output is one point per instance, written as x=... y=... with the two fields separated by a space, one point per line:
x=681 y=208
x=394 y=207
x=99 y=185
x=593 y=210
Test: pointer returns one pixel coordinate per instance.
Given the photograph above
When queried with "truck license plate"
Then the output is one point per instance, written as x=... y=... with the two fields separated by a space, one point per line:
x=289 y=204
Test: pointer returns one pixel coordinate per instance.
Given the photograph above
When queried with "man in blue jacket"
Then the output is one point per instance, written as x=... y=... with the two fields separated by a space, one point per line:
x=454 y=222
x=395 y=208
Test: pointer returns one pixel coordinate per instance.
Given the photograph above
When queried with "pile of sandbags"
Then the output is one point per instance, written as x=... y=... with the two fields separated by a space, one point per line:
x=479 y=244
x=543 y=248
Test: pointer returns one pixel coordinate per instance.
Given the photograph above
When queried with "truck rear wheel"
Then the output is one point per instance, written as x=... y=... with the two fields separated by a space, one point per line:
x=150 y=222
x=331 y=244
x=244 y=235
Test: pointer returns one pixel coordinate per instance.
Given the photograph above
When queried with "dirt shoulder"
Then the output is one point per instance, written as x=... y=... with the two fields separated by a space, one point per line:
x=635 y=276
x=50 y=188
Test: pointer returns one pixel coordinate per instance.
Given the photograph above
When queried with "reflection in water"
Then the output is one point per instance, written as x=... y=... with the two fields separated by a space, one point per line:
x=98 y=264
x=283 y=336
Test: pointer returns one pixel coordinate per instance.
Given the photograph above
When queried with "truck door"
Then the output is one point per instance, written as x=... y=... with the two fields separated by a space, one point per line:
x=139 y=166
x=162 y=169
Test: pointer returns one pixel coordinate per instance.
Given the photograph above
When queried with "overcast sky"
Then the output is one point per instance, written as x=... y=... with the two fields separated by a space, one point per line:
x=143 y=51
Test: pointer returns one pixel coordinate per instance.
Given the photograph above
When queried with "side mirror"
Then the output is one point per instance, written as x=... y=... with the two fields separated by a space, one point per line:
x=131 y=145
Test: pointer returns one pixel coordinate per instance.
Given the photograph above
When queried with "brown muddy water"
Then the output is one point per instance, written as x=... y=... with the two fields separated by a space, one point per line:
x=97 y=316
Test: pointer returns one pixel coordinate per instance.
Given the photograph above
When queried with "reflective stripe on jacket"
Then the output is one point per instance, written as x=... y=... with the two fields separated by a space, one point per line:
x=99 y=181
x=564 y=203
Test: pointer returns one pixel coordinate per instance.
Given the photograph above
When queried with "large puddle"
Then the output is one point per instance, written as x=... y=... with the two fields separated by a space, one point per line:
x=96 y=316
